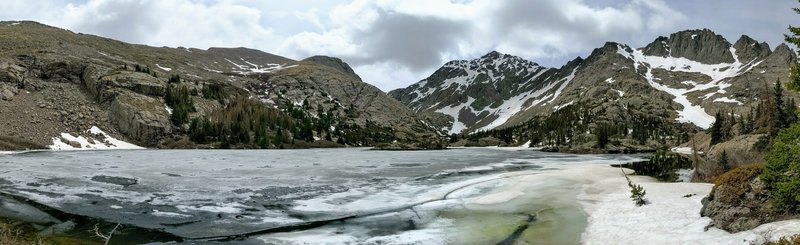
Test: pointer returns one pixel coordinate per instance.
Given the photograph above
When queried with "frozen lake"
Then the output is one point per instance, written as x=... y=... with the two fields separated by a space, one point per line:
x=313 y=196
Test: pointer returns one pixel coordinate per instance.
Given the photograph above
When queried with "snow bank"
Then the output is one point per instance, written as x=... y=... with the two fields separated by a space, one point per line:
x=163 y=68
x=672 y=217
x=684 y=150
x=727 y=100
x=99 y=140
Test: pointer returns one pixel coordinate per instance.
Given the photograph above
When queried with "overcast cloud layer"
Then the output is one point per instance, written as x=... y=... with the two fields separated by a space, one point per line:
x=393 y=43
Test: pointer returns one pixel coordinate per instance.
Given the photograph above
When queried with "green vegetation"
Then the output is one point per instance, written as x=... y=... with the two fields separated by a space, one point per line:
x=569 y=125
x=782 y=173
x=247 y=123
x=794 y=38
x=722 y=161
x=733 y=185
x=793 y=240
x=662 y=166
x=174 y=79
x=142 y=69
x=13 y=232
x=637 y=191
x=179 y=99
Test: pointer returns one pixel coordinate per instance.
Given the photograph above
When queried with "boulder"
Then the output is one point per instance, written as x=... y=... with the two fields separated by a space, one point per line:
x=739 y=201
x=6 y=94
x=140 y=118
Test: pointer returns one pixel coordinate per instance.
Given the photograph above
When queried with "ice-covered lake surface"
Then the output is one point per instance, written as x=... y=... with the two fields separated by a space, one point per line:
x=315 y=196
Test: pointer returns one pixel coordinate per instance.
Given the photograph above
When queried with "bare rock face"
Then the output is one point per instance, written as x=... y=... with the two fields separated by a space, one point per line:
x=139 y=117
x=138 y=82
x=334 y=63
x=748 y=49
x=740 y=151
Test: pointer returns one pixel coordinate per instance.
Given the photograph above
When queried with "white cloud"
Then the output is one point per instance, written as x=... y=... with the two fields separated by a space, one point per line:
x=391 y=43
x=422 y=34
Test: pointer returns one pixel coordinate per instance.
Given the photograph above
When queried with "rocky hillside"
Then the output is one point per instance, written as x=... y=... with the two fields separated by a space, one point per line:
x=54 y=81
x=686 y=77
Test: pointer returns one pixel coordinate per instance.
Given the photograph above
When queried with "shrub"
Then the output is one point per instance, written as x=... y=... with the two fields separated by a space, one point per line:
x=661 y=166
x=637 y=191
x=793 y=240
x=731 y=186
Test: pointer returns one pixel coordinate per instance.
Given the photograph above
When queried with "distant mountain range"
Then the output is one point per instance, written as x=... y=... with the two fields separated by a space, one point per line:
x=54 y=81
x=688 y=77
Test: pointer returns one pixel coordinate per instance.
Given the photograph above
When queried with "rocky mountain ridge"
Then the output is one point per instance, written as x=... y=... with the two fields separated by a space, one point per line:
x=54 y=81
x=687 y=76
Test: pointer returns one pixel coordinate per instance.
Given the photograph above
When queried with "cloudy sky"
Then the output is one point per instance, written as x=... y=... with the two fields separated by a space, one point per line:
x=393 y=43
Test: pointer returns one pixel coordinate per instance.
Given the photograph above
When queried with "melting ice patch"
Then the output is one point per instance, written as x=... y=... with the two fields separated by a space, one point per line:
x=96 y=140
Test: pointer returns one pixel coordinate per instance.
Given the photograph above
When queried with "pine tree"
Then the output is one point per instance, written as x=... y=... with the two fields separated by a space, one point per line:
x=602 y=133
x=716 y=129
x=780 y=116
x=794 y=38
x=723 y=161
x=790 y=112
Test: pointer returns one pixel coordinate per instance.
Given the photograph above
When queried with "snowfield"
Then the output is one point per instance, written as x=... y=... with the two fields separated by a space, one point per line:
x=670 y=218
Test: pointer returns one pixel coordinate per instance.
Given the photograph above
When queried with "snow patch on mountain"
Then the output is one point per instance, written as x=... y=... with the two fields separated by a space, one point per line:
x=454 y=111
x=558 y=107
x=727 y=100
x=163 y=68
x=96 y=139
x=252 y=68
x=564 y=82
x=717 y=72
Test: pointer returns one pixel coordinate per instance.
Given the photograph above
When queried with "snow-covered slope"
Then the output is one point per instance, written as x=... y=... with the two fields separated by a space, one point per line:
x=687 y=76
x=484 y=93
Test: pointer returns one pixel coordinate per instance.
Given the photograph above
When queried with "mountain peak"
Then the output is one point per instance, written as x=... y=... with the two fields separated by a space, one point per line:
x=492 y=55
x=748 y=49
x=702 y=45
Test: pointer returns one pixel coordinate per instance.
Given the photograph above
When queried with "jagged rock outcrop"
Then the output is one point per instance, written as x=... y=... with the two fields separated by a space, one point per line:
x=703 y=46
x=748 y=49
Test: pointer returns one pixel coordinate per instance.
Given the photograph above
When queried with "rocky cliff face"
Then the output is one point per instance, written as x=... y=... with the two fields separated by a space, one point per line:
x=686 y=77
x=53 y=81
